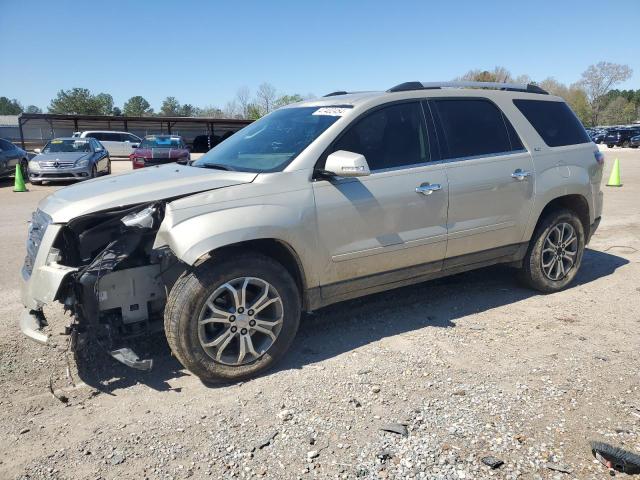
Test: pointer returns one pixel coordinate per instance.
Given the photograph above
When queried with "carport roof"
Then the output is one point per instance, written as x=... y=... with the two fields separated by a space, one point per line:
x=156 y=118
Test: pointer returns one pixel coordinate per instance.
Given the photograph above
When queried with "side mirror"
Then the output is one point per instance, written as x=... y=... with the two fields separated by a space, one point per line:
x=99 y=149
x=347 y=164
x=37 y=150
x=135 y=145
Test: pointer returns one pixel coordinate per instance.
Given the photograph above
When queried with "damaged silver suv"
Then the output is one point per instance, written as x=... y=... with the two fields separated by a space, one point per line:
x=316 y=203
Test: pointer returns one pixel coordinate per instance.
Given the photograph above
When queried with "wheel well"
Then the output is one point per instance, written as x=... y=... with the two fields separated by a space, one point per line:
x=575 y=203
x=276 y=249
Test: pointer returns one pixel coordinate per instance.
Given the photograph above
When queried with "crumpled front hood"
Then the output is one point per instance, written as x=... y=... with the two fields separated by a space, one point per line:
x=139 y=186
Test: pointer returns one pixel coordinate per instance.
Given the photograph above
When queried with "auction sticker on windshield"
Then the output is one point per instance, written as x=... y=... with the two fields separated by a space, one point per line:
x=331 y=111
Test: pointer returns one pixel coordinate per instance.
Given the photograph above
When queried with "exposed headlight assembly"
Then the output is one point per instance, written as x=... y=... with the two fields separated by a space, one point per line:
x=141 y=219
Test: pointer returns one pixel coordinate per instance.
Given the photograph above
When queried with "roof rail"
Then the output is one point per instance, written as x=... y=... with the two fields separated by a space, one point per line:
x=333 y=94
x=513 y=87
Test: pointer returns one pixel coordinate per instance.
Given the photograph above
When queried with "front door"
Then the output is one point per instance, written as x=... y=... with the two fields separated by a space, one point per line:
x=390 y=225
x=491 y=180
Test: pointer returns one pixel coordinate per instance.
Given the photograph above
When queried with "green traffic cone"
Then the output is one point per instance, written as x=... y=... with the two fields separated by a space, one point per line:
x=614 y=178
x=19 y=185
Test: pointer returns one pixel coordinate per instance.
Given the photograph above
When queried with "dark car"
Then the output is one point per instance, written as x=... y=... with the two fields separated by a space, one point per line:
x=635 y=142
x=597 y=136
x=620 y=137
x=204 y=143
x=10 y=156
x=160 y=149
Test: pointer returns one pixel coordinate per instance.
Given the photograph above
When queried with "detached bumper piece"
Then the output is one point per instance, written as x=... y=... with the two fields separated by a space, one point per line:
x=129 y=358
x=31 y=323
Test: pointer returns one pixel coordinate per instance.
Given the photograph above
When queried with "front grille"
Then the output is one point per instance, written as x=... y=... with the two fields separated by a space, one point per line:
x=37 y=226
x=57 y=164
x=56 y=175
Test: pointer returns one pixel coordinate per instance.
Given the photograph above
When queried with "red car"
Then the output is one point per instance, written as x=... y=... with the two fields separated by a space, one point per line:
x=160 y=149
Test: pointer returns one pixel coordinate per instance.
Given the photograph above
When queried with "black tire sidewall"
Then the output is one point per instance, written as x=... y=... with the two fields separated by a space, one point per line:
x=188 y=296
x=532 y=265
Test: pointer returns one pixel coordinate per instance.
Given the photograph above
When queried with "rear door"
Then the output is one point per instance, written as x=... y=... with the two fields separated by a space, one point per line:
x=491 y=179
x=130 y=143
x=111 y=141
x=378 y=229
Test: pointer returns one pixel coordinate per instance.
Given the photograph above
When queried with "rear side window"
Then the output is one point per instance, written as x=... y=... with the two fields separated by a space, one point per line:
x=389 y=137
x=554 y=122
x=96 y=135
x=475 y=127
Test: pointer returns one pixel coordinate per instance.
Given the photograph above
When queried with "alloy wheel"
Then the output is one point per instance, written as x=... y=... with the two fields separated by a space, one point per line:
x=240 y=321
x=559 y=251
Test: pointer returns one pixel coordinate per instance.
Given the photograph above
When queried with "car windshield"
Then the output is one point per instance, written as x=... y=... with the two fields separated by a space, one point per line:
x=272 y=142
x=161 y=142
x=67 y=146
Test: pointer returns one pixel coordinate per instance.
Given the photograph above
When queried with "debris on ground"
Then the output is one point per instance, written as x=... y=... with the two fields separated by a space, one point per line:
x=616 y=458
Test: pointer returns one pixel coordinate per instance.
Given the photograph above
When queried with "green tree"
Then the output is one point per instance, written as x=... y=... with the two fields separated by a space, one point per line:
x=498 y=74
x=210 y=112
x=618 y=111
x=33 y=109
x=116 y=112
x=137 y=107
x=10 y=107
x=254 y=112
x=288 y=99
x=170 y=107
x=81 y=101
x=104 y=103
x=188 y=110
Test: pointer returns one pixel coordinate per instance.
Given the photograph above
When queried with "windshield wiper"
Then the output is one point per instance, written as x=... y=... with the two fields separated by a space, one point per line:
x=216 y=166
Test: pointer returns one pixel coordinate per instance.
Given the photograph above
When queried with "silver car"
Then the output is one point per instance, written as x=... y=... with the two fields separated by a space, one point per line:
x=64 y=159
x=318 y=202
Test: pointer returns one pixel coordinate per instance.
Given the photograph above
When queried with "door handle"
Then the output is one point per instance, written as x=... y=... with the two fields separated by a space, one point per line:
x=520 y=174
x=428 y=188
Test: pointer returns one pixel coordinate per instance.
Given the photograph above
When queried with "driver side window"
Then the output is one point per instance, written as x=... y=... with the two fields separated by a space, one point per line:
x=389 y=137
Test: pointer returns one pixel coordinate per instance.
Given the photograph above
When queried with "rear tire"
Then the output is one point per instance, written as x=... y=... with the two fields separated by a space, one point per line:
x=555 y=252
x=609 y=146
x=192 y=325
x=626 y=144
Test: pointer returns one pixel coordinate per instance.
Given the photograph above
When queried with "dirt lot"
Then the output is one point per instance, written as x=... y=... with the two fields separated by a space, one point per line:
x=473 y=365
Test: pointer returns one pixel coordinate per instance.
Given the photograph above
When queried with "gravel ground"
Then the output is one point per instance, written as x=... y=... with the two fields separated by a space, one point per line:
x=421 y=382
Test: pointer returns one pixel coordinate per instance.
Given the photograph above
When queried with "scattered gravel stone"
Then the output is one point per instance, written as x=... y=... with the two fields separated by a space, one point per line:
x=492 y=462
x=397 y=428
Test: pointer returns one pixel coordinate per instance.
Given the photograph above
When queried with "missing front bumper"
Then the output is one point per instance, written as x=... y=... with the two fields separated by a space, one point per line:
x=31 y=323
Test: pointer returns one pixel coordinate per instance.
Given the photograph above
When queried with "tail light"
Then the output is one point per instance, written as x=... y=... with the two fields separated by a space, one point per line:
x=138 y=162
x=599 y=157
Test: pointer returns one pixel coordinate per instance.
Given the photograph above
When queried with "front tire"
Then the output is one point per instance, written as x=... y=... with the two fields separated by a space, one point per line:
x=233 y=318
x=555 y=252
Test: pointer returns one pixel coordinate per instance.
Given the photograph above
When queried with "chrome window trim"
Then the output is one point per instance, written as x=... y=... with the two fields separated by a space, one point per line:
x=449 y=160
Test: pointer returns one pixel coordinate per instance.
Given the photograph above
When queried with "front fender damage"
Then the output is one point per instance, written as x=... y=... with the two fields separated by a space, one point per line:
x=119 y=289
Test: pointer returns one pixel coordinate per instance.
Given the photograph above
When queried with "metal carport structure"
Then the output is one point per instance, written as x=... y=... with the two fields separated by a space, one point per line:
x=37 y=128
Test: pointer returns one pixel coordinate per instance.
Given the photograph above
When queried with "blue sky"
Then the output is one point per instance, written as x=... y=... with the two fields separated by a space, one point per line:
x=201 y=52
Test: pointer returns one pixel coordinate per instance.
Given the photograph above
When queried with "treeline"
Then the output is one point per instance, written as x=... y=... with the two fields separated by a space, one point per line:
x=593 y=98
x=81 y=101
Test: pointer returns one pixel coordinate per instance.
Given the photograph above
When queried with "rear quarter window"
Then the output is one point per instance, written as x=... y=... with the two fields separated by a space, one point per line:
x=555 y=122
